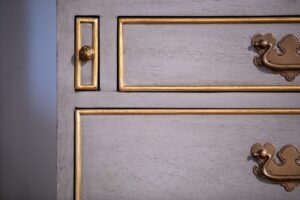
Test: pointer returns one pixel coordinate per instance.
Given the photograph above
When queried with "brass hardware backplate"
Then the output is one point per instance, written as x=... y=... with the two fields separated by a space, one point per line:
x=286 y=173
x=86 y=53
x=284 y=59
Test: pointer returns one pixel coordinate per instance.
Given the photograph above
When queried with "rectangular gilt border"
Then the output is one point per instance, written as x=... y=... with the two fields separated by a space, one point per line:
x=122 y=86
x=165 y=111
x=94 y=85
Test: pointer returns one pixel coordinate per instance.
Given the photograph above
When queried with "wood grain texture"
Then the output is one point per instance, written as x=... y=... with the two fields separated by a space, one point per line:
x=179 y=157
x=109 y=10
x=86 y=68
x=198 y=54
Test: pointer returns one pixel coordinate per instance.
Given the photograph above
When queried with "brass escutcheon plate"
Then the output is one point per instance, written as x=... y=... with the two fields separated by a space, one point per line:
x=286 y=172
x=284 y=60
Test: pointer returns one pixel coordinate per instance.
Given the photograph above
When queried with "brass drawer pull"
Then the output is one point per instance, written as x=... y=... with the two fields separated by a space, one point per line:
x=86 y=53
x=287 y=62
x=286 y=173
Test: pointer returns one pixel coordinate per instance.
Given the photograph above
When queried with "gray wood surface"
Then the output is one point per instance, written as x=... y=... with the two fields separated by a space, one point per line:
x=86 y=69
x=180 y=157
x=109 y=10
x=201 y=54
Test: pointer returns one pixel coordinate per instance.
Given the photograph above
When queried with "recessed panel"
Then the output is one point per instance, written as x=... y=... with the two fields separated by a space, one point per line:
x=86 y=54
x=178 y=153
x=199 y=54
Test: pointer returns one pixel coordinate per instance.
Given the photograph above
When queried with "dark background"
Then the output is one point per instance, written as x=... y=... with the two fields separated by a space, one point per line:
x=28 y=99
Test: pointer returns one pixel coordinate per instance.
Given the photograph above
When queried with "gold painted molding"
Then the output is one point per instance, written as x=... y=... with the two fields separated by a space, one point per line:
x=94 y=49
x=122 y=86
x=164 y=111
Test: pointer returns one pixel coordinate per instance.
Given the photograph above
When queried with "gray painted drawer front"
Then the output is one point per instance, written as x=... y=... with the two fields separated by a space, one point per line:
x=197 y=54
x=166 y=154
x=170 y=155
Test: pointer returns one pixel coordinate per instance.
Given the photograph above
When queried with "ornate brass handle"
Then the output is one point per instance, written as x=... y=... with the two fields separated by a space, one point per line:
x=286 y=173
x=286 y=62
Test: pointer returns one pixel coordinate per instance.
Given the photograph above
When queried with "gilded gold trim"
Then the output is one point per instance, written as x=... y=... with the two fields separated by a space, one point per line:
x=122 y=86
x=197 y=111
x=95 y=60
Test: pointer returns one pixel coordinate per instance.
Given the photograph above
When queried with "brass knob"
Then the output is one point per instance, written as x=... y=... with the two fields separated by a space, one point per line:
x=86 y=53
x=262 y=154
x=261 y=44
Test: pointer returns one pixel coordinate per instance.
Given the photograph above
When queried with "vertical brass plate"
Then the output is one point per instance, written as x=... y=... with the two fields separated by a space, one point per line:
x=82 y=111
x=122 y=86
x=94 y=85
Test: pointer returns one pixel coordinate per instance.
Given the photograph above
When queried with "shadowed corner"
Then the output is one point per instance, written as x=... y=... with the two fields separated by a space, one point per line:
x=28 y=100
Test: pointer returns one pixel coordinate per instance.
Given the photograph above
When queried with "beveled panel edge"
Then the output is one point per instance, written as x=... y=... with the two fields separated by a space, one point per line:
x=95 y=61
x=123 y=87
x=78 y=112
